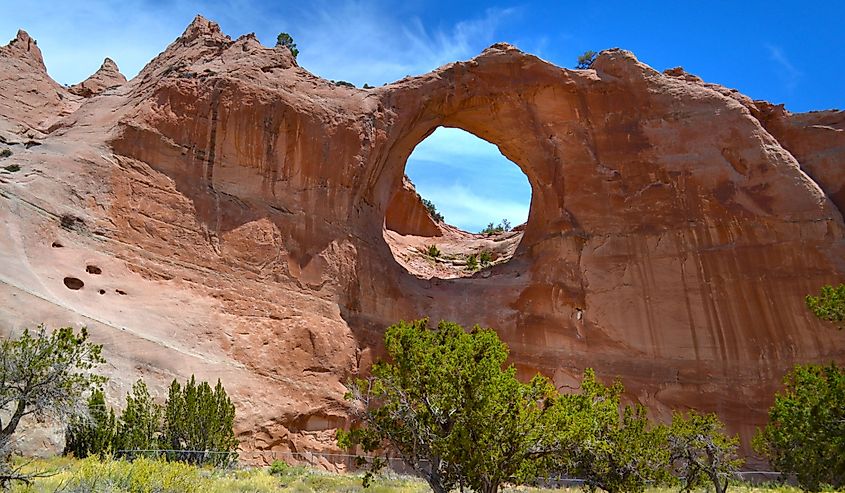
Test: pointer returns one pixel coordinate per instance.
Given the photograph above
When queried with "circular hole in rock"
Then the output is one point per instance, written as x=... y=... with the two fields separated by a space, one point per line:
x=56 y=244
x=120 y=292
x=73 y=283
x=461 y=208
x=102 y=291
x=93 y=269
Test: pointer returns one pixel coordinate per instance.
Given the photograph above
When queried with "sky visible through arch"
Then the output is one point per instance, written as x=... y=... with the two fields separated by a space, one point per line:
x=469 y=180
x=785 y=52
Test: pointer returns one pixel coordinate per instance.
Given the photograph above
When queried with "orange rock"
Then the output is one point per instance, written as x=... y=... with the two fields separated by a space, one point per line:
x=235 y=206
x=106 y=77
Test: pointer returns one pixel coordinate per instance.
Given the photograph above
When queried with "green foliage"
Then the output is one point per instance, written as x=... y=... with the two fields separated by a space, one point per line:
x=472 y=262
x=139 y=476
x=195 y=419
x=367 y=86
x=279 y=468
x=343 y=83
x=5 y=153
x=492 y=229
x=93 y=434
x=12 y=168
x=829 y=304
x=701 y=452
x=610 y=446
x=46 y=375
x=485 y=258
x=586 y=59
x=805 y=434
x=450 y=409
x=143 y=475
x=432 y=210
x=140 y=423
x=432 y=251
x=286 y=40
x=199 y=418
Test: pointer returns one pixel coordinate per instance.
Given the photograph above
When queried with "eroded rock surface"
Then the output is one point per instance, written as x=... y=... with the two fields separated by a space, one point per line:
x=234 y=205
x=106 y=77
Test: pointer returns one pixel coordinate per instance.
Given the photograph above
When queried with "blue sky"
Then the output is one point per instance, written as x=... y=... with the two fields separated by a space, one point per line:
x=785 y=52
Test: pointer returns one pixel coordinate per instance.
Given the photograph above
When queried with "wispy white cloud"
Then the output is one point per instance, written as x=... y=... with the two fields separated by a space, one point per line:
x=355 y=40
x=471 y=211
x=362 y=42
x=786 y=70
x=469 y=180
x=450 y=143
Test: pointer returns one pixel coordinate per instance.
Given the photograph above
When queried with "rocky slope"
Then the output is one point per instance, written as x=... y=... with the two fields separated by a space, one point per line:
x=223 y=214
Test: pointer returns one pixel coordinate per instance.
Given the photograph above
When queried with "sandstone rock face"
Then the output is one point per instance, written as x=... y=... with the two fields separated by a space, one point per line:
x=235 y=206
x=407 y=215
x=28 y=96
x=106 y=77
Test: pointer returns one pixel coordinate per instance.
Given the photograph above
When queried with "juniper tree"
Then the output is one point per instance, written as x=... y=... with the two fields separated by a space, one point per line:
x=46 y=374
x=700 y=451
x=285 y=40
x=805 y=434
x=448 y=406
x=95 y=433
x=140 y=422
x=199 y=418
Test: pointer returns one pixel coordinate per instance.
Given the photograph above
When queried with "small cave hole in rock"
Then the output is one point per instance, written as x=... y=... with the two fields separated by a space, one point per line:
x=93 y=269
x=73 y=283
x=101 y=291
x=120 y=292
x=461 y=208
x=56 y=244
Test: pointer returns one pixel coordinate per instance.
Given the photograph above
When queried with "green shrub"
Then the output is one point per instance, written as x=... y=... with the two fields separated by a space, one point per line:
x=194 y=426
x=93 y=434
x=432 y=251
x=139 y=427
x=138 y=476
x=12 y=168
x=5 y=153
x=805 y=434
x=485 y=258
x=278 y=468
x=586 y=59
x=472 y=262
x=492 y=229
x=829 y=304
x=200 y=419
x=432 y=210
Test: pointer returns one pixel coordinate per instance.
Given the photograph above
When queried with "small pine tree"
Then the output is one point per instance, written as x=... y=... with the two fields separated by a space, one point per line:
x=198 y=418
x=485 y=258
x=586 y=59
x=472 y=262
x=286 y=40
x=93 y=434
x=432 y=210
x=140 y=422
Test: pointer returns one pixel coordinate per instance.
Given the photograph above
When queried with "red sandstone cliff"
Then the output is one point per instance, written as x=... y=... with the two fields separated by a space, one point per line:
x=235 y=204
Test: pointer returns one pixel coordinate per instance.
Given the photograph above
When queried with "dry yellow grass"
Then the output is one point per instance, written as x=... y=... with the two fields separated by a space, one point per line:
x=93 y=475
